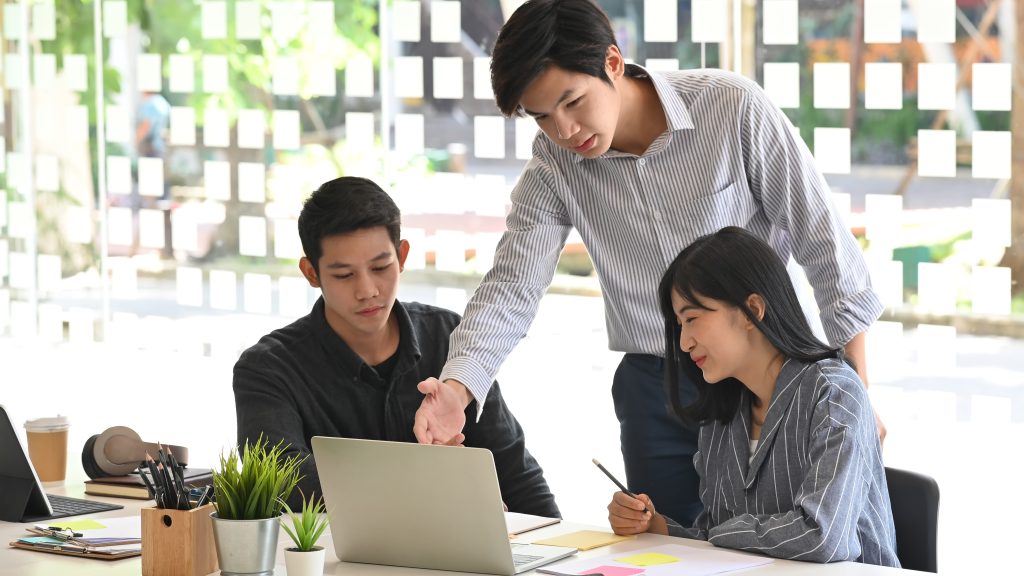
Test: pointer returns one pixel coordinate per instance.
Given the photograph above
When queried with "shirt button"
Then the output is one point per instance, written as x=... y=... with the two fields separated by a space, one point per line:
x=641 y=162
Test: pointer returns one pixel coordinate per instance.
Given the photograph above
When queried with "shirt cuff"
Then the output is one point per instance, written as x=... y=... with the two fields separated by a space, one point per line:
x=472 y=375
x=850 y=316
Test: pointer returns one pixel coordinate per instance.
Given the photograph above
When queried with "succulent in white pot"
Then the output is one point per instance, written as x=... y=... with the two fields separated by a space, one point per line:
x=305 y=528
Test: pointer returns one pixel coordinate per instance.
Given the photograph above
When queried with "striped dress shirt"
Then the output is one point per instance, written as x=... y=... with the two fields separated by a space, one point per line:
x=815 y=489
x=729 y=157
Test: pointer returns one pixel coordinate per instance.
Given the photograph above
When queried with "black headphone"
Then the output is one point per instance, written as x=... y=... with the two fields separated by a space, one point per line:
x=119 y=450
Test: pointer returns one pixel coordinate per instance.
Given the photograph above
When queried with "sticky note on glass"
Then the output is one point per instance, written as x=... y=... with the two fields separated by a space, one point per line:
x=990 y=154
x=936 y=20
x=883 y=85
x=119 y=226
x=189 y=286
x=409 y=77
x=445 y=21
x=182 y=72
x=936 y=86
x=293 y=296
x=215 y=20
x=782 y=83
x=45 y=69
x=990 y=86
x=832 y=150
x=223 y=290
x=151 y=176
x=216 y=127
x=489 y=137
x=359 y=130
x=286 y=20
x=359 y=76
x=151 y=228
x=286 y=129
x=75 y=72
x=662 y=64
x=613 y=571
x=119 y=175
x=252 y=128
x=482 y=78
x=780 y=22
x=252 y=236
x=406 y=18
x=215 y=74
x=661 y=21
x=883 y=21
x=217 y=179
x=832 y=85
x=252 y=182
x=115 y=18
x=48 y=173
x=448 y=77
x=526 y=132
x=150 y=78
x=44 y=23
x=322 y=77
x=585 y=540
x=183 y=126
x=936 y=153
x=409 y=133
x=256 y=290
x=707 y=20
x=648 y=559
x=285 y=76
x=117 y=124
x=247 y=20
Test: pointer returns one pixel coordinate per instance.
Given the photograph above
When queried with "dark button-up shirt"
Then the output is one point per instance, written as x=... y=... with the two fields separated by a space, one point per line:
x=303 y=380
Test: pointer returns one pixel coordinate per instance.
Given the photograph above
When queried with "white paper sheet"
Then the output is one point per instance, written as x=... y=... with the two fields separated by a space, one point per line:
x=149 y=73
x=151 y=228
x=252 y=236
x=217 y=179
x=832 y=150
x=359 y=131
x=119 y=175
x=118 y=126
x=936 y=21
x=692 y=561
x=151 y=176
x=252 y=129
x=252 y=182
x=990 y=290
x=707 y=21
x=409 y=77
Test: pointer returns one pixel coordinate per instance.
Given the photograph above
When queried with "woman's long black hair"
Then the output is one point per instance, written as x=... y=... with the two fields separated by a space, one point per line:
x=729 y=266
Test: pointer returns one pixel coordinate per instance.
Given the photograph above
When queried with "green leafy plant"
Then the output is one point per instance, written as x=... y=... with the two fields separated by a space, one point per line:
x=256 y=489
x=306 y=526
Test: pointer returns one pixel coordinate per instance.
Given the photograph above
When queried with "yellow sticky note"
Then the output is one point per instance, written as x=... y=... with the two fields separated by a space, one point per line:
x=584 y=539
x=86 y=524
x=648 y=559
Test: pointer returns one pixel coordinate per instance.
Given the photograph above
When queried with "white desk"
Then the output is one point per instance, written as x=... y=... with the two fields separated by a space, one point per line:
x=29 y=563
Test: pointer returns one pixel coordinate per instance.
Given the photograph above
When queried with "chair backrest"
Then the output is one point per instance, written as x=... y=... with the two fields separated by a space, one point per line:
x=915 y=513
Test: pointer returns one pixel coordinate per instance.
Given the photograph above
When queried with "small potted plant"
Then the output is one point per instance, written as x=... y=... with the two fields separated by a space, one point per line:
x=305 y=558
x=248 y=497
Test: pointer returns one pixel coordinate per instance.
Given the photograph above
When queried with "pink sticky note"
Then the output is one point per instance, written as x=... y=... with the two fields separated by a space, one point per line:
x=613 y=571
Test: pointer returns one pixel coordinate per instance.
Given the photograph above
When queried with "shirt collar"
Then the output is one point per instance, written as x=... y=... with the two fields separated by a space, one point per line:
x=352 y=363
x=677 y=115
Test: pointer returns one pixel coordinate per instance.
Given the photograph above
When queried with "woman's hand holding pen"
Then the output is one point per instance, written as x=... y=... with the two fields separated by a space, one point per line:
x=628 y=515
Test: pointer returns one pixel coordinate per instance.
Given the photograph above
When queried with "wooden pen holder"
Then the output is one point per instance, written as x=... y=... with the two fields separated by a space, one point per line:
x=178 y=542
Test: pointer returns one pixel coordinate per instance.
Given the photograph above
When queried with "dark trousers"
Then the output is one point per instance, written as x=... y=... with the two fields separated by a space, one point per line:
x=656 y=448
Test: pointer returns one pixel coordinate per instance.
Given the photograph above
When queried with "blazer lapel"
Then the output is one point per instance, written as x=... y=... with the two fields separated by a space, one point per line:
x=786 y=387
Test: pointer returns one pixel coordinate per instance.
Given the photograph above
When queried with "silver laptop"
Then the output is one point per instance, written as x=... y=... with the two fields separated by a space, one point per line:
x=420 y=506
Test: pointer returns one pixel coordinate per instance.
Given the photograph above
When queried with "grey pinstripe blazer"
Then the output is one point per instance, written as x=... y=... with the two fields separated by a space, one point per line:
x=815 y=489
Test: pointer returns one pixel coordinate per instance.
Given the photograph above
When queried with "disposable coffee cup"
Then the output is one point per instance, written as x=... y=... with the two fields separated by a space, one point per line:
x=48 y=447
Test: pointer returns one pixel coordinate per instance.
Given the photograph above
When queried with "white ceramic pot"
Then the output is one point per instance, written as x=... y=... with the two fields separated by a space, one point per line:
x=304 y=563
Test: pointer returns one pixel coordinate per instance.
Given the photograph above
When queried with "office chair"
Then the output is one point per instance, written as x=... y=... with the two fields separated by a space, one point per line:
x=915 y=513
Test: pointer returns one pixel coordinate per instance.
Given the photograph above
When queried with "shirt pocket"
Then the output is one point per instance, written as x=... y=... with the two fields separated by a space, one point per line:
x=730 y=206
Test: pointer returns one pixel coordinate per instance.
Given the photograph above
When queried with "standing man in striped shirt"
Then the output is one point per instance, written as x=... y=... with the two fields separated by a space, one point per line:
x=641 y=164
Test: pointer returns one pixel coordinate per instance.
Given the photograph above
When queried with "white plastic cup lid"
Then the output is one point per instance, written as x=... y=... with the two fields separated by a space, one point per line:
x=52 y=424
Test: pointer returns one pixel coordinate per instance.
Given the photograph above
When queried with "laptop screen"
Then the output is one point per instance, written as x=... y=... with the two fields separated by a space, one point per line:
x=21 y=494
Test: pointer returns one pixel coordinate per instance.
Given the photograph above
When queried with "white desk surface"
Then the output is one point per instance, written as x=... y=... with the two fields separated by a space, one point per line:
x=29 y=563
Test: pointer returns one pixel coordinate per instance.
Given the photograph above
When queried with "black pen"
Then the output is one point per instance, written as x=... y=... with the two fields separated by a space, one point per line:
x=616 y=480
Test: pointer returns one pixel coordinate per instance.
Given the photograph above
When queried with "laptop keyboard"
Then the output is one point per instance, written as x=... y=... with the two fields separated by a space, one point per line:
x=520 y=559
x=64 y=506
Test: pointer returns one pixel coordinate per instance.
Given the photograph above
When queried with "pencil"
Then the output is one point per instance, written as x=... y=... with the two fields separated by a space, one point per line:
x=616 y=480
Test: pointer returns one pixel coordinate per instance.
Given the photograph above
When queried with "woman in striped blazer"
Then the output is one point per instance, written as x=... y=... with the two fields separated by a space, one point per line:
x=788 y=454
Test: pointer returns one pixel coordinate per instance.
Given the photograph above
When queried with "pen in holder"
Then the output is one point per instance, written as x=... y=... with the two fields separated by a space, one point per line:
x=178 y=542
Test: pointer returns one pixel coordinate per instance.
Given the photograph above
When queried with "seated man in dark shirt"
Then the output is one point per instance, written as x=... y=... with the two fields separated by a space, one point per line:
x=350 y=368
